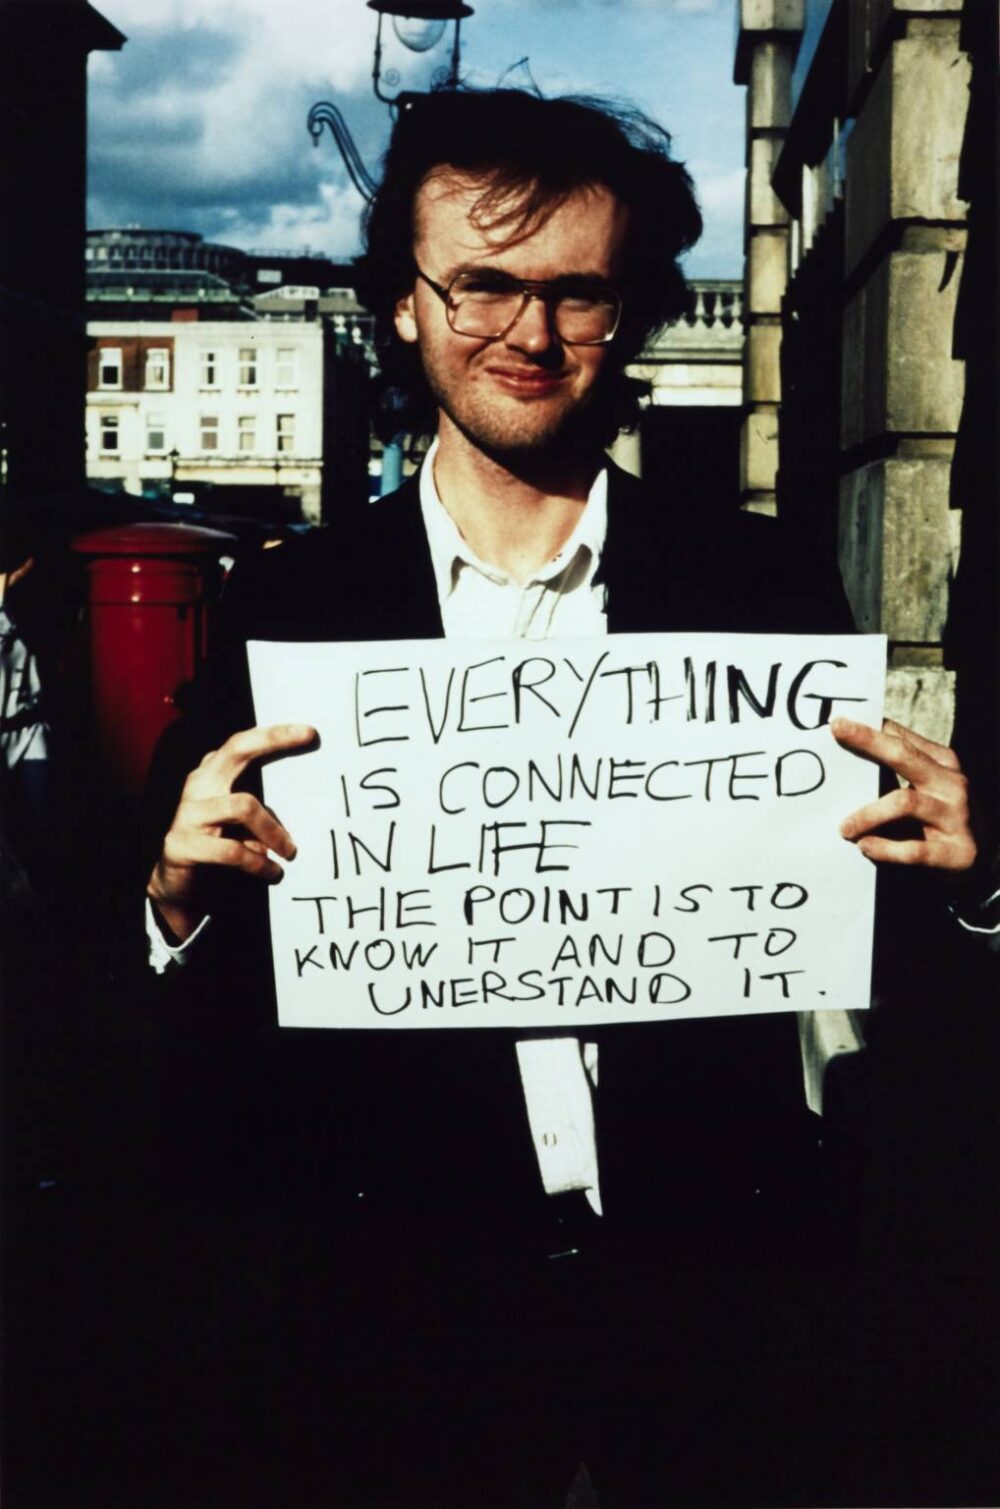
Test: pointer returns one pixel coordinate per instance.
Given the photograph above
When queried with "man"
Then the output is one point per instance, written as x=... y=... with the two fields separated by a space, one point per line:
x=449 y=1317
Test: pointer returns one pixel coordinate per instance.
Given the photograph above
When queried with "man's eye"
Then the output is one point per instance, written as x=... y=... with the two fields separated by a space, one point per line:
x=485 y=285
x=584 y=297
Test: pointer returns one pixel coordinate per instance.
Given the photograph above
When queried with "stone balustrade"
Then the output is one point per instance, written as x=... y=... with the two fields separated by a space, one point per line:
x=711 y=330
x=715 y=301
x=698 y=359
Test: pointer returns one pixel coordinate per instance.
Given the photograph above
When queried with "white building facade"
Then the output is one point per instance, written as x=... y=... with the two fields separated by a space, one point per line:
x=175 y=404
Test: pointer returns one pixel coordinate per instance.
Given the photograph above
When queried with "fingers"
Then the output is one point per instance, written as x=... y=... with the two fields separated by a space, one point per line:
x=240 y=809
x=217 y=828
x=222 y=767
x=935 y=852
x=904 y=802
x=910 y=851
x=192 y=850
x=935 y=801
x=203 y=833
x=893 y=749
x=940 y=753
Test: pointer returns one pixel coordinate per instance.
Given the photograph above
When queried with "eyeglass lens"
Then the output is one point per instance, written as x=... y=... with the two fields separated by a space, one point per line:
x=487 y=306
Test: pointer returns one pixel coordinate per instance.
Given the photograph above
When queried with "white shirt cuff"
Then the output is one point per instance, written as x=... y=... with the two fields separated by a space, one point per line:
x=557 y=1075
x=984 y=918
x=164 y=955
x=825 y=1035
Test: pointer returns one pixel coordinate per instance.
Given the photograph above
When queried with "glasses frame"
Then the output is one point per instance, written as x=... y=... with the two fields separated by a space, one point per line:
x=531 y=288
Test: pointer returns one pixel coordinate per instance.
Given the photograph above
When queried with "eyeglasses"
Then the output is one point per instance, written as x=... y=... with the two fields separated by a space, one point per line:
x=485 y=304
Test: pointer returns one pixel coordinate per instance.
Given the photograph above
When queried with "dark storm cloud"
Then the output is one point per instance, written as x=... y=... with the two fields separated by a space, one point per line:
x=191 y=58
x=185 y=134
x=143 y=153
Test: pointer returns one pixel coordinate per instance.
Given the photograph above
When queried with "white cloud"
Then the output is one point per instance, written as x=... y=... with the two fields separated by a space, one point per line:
x=281 y=39
x=329 y=226
x=719 y=194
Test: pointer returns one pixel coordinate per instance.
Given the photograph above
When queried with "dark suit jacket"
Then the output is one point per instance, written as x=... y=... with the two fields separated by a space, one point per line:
x=450 y=1132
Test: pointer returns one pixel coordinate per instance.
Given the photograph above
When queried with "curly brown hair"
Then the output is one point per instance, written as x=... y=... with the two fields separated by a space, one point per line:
x=531 y=154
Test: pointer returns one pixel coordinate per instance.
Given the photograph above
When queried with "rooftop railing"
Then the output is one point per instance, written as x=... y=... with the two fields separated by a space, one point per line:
x=711 y=329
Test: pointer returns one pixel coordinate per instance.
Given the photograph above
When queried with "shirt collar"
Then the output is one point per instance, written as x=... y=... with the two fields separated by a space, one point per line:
x=449 y=550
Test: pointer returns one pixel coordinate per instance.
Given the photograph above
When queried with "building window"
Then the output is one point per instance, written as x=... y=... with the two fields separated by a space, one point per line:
x=157 y=367
x=110 y=372
x=248 y=367
x=247 y=426
x=286 y=433
x=109 y=435
x=210 y=432
x=209 y=369
x=156 y=432
x=287 y=368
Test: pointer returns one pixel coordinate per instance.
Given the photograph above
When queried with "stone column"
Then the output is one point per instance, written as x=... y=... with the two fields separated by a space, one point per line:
x=905 y=232
x=767 y=42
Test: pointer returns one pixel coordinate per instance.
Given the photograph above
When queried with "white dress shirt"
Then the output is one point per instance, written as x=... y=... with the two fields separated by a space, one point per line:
x=479 y=601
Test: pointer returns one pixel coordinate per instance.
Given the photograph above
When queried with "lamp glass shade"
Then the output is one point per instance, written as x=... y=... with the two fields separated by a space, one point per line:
x=418 y=33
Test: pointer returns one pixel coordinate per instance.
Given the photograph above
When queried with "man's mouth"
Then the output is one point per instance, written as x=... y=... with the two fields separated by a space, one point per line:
x=527 y=381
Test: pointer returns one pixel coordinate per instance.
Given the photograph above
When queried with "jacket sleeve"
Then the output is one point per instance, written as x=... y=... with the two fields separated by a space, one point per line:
x=225 y=982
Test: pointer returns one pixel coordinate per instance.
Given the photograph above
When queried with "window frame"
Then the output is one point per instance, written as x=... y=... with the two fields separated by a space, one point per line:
x=109 y=424
x=208 y=358
x=246 y=424
x=248 y=360
x=103 y=354
x=287 y=356
x=160 y=423
x=163 y=353
x=282 y=435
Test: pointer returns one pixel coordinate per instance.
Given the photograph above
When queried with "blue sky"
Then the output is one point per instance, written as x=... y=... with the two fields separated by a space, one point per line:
x=199 y=122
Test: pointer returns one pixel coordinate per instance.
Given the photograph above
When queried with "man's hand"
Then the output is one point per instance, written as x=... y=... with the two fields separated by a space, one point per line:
x=216 y=827
x=935 y=801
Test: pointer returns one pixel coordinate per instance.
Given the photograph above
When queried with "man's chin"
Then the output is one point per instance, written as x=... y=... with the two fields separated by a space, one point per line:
x=541 y=440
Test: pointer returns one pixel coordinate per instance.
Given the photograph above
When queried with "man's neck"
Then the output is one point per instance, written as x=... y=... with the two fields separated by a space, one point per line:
x=517 y=520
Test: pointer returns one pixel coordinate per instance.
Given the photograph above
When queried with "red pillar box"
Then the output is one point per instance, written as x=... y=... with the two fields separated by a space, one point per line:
x=151 y=591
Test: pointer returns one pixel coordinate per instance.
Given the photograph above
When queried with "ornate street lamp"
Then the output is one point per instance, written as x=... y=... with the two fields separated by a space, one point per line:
x=419 y=25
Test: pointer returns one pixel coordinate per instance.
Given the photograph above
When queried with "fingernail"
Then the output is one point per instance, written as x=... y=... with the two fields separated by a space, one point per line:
x=846 y=828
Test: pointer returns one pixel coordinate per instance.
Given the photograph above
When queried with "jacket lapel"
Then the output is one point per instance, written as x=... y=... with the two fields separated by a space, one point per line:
x=404 y=603
x=640 y=568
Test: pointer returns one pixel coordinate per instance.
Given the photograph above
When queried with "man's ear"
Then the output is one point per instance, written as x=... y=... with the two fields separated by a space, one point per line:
x=406 y=319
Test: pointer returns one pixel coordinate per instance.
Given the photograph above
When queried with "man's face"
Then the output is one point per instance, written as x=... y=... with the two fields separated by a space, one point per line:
x=526 y=393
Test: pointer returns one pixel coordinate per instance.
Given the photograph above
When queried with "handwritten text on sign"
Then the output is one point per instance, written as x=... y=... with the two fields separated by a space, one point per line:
x=626 y=829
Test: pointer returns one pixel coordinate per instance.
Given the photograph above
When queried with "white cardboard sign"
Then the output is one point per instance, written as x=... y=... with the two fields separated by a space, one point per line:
x=580 y=831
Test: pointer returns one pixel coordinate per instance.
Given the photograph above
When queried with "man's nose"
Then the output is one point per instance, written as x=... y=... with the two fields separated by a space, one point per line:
x=534 y=329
